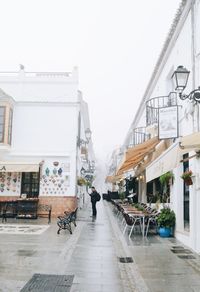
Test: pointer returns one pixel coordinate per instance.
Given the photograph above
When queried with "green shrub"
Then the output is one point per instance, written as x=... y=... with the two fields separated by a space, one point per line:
x=122 y=195
x=165 y=178
x=166 y=218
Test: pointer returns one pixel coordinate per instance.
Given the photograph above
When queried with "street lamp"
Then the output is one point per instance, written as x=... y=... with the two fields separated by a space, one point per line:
x=87 y=136
x=180 y=77
x=83 y=171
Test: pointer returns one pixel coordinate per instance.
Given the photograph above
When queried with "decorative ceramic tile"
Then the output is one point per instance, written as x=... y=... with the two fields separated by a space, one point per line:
x=47 y=171
x=54 y=171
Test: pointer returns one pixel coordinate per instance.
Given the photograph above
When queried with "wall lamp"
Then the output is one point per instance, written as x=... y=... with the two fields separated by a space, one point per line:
x=83 y=171
x=180 y=77
x=90 y=169
x=88 y=134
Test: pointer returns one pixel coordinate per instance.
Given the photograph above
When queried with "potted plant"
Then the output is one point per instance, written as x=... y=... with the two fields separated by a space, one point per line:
x=122 y=196
x=187 y=177
x=81 y=181
x=166 y=221
x=166 y=178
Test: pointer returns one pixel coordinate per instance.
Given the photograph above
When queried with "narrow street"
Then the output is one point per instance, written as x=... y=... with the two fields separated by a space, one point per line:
x=92 y=255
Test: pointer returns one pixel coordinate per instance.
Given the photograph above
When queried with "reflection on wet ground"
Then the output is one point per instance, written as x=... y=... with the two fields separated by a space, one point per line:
x=99 y=257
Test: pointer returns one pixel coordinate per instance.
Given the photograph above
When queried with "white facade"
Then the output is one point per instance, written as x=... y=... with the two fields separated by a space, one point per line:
x=182 y=47
x=48 y=111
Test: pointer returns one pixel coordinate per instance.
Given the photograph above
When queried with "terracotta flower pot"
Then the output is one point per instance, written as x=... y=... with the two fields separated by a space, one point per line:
x=188 y=181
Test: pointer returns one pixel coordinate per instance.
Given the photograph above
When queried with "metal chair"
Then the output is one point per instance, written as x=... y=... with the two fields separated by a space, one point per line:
x=152 y=219
x=9 y=210
x=131 y=220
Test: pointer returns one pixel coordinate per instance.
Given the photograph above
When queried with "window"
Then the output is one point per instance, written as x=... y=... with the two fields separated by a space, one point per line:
x=186 y=196
x=2 y=123
x=6 y=116
x=30 y=184
x=10 y=126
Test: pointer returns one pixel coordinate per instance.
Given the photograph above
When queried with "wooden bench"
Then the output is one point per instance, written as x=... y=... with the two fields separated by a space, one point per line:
x=64 y=222
x=44 y=211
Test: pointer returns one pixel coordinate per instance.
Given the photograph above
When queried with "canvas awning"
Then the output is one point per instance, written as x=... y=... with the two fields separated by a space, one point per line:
x=113 y=178
x=109 y=179
x=136 y=154
x=167 y=161
x=191 y=141
x=159 y=149
x=19 y=166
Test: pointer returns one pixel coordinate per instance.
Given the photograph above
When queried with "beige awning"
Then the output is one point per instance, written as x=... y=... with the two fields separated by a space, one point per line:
x=167 y=161
x=159 y=149
x=136 y=154
x=191 y=141
x=16 y=166
x=109 y=179
x=113 y=178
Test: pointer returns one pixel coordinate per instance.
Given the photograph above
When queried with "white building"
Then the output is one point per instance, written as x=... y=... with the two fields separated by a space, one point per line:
x=43 y=119
x=151 y=156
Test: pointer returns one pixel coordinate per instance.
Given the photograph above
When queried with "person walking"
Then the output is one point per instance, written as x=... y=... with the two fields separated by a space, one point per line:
x=94 y=198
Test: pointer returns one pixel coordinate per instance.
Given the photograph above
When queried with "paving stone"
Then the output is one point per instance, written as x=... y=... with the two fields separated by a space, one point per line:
x=92 y=254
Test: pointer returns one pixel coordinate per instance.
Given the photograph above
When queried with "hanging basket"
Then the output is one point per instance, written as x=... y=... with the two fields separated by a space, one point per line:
x=188 y=181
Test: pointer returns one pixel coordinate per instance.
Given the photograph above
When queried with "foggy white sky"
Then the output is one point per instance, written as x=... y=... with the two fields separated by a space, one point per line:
x=115 y=44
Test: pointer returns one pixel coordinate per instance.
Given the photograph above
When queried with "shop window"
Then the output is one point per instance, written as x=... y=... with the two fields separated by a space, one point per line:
x=2 y=123
x=156 y=193
x=131 y=187
x=150 y=194
x=30 y=184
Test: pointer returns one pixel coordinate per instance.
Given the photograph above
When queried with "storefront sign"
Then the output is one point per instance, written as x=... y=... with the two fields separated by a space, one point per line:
x=168 y=122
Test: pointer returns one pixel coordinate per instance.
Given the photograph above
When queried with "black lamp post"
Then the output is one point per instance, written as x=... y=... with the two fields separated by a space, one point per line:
x=88 y=134
x=83 y=171
x=180 y=77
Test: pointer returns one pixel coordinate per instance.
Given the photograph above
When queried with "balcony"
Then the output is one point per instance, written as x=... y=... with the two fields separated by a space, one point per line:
x=153 y=105
x=139 y=136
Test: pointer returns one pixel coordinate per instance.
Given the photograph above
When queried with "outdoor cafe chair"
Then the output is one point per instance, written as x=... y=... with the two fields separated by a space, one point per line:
x=9 y=210
x=131 y=221
x=152 y=219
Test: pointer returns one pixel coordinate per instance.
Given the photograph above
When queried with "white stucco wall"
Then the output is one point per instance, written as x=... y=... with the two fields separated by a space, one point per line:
x=45 y=132
x=41 y=86
x=45 y=127
x=183 y=49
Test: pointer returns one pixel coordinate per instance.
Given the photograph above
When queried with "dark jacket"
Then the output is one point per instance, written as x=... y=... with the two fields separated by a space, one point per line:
x=93 y=196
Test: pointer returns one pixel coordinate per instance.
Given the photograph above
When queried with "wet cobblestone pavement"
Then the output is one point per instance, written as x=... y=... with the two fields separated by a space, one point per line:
x=92 y=254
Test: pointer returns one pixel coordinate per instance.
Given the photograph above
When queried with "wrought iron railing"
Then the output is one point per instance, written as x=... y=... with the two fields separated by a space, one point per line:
x=153 y=105
x=138 y=136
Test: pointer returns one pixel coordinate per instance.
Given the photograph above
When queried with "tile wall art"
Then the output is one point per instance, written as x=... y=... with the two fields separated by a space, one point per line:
x=10 y=183
x=55 y=178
